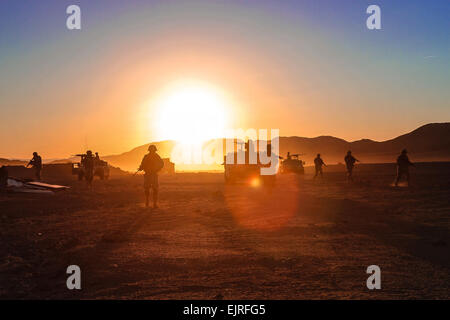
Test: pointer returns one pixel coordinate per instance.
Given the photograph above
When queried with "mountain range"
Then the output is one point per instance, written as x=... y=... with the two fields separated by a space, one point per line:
x=430 y=142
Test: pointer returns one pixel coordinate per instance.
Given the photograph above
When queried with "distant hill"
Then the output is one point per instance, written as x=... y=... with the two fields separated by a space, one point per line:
x=430 y=142
x=8 y=162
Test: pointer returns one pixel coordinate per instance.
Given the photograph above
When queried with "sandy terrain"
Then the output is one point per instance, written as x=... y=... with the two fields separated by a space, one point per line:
x=304 y=239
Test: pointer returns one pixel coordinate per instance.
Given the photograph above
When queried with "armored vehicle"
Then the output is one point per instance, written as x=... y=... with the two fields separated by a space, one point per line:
x=101 y=168
x=240 y=166
x=292 y=164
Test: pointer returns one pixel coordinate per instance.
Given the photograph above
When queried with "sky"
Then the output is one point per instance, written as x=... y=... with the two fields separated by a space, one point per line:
x=308 y=68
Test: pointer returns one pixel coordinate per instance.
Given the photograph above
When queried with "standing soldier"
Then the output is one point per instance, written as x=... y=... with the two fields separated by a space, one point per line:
x=88 y=167
x=403 y=165
x=96 y=160
x=318 y=163
x=36 y=163
x=151 y=164
x=350 y=163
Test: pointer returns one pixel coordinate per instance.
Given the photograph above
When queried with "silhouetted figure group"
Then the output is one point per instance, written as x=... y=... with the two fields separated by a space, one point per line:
x=89 y=162
x=152 y=163
x=349 y=162
x=403 y=165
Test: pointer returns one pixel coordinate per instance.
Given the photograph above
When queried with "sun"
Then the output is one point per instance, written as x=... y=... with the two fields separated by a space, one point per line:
x=191 y=113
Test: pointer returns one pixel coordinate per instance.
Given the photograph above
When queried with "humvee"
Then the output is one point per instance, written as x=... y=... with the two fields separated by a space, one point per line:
x=246 y=172
x=101 y=168
x=292 y=164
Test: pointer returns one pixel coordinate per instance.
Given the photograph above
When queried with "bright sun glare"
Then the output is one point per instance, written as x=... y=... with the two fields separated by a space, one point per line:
x=191 y=114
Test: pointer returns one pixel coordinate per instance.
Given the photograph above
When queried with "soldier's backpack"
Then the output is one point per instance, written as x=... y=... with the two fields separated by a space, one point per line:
x=152 y=163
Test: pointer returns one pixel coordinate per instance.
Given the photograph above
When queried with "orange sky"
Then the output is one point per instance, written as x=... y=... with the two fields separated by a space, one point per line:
x=63 y=92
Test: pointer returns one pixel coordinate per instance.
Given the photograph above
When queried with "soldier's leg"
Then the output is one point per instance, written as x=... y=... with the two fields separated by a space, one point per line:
x=155 y=197
x=317 y=172
x=146 y=188
x=407 y=177
x=88 y=180
x=399 y=175
x=147 y=196
x=155 y=188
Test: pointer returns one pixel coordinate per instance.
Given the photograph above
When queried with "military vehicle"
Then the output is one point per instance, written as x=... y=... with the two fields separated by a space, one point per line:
x=101 y=168
x=169 y=167
x=246 y=171
x=292 y=164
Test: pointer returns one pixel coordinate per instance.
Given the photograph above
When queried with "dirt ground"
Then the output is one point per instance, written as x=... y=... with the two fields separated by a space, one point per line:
x=303 y=239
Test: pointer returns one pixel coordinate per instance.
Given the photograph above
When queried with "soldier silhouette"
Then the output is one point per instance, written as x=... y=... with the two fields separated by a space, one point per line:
x=36 y=163
x=403 y=165
x=88 y=167
x=318 y=163
x=350 y=163
x=151 y=164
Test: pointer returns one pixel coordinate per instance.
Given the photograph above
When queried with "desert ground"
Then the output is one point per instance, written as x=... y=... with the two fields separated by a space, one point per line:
x=302 y=239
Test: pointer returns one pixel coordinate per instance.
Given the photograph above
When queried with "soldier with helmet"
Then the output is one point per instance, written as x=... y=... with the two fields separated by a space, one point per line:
x=88 y=167
x=36 y=163
x=350 y=164
x=318 y=163
x=151 y=164
x=403 y=165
